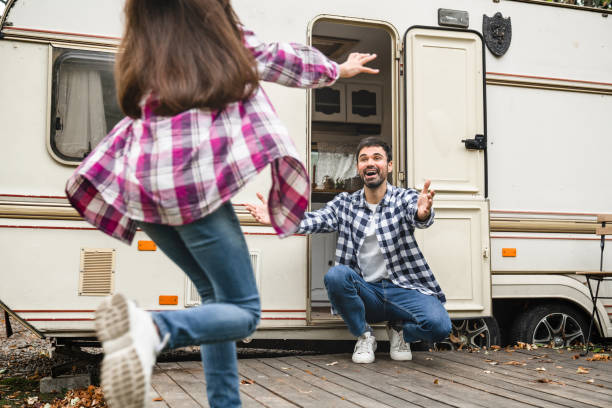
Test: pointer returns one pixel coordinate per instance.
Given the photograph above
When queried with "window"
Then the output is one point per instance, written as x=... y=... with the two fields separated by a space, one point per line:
x=83 y=102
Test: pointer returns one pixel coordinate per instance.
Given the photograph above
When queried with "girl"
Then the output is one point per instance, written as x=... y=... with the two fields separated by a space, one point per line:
x=198 y=127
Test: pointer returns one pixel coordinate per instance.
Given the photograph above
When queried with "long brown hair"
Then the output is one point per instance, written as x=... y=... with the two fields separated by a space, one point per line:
x=188 y=52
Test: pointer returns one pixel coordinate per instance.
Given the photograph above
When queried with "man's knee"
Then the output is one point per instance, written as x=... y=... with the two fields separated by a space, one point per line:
x=337 y=277
x=439 y=327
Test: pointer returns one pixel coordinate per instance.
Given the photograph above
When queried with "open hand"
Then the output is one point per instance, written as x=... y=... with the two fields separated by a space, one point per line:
x=425 y=202
x=354 y=65
x=260 y=212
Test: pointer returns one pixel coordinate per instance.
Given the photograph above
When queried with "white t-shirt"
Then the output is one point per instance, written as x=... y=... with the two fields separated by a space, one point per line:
x=370 y=257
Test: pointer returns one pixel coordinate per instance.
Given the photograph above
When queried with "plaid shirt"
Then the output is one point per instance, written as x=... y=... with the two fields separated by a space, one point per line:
x=175 y=170
x=349 y=215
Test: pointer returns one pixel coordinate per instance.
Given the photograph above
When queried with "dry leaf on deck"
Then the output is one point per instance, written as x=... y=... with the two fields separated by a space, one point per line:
x=333 y=363
x=436 y=381
x=582 y=370
x=540 y=369
x=599 y=357
x=158 y=399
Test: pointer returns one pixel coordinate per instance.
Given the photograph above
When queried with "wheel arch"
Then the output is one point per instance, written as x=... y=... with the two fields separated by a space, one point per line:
x=532 y=288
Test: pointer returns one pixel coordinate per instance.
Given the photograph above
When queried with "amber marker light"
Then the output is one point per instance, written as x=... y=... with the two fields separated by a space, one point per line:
x=147 y=246
x=508 y=252
x=168 y=300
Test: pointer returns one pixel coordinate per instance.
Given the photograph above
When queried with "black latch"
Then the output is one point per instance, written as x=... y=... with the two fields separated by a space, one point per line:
x=478 y=143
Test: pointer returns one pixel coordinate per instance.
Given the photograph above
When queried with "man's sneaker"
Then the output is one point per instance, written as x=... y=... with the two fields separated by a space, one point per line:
x=399 y=349
x=364 y=349
x=131 y=345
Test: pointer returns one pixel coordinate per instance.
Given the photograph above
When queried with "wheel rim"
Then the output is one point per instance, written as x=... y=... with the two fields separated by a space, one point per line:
x=558 y=330
x=469 y=334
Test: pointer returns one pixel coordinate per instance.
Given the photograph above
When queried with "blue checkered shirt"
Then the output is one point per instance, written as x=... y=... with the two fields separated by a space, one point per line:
x=349 y=215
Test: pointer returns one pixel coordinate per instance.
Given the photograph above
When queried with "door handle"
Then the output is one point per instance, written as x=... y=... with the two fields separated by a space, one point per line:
x=478 y=143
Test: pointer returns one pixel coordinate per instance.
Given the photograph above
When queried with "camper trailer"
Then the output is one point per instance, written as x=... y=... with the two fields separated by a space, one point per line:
x=502 y=104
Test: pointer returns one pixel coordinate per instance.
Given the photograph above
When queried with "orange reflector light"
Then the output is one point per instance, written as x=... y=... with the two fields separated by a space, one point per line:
x=147 y=246
x=168 y=300
x=508 y=251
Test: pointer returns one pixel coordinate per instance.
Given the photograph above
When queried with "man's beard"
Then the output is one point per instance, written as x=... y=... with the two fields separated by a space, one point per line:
x=374 y=183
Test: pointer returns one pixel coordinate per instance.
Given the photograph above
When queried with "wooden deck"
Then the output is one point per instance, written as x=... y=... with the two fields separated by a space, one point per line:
x=521 y=378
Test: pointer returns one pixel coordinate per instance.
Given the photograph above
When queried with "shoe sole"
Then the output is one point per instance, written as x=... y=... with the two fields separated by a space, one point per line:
x=122 y=374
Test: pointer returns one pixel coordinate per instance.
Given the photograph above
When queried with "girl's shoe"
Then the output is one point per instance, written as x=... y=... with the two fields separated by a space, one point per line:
x=131 y=345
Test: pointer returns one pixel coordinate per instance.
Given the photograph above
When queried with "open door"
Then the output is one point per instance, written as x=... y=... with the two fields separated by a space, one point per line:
x=445 y=122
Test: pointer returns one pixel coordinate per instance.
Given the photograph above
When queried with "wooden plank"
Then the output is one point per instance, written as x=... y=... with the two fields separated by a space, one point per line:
x=561 y=370
x=172 y=394
x=195 y=388
x=294 y=389
x=604 y=217
x=598 y=274
x=324 y=371
x=299 y=370
x=369 y=380
x=601 y=370
x=529 y=376
x=447 y=391
x=195 y=370
x=263 y=389
x=158 y=401
x=488 y=382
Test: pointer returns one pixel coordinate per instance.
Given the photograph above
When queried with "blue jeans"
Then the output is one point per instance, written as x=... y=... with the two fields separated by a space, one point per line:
x=213 y=253
x=359 y=302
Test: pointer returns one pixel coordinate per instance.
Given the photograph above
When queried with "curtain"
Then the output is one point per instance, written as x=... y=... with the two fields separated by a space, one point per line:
x=336 y=161
x=80 y=108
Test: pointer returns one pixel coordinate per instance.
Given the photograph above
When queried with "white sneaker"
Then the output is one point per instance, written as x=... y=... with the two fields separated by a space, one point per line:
x=364 y=349
x=131 y=345
x=398 y=348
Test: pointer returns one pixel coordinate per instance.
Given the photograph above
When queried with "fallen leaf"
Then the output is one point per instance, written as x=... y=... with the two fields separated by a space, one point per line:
x=515 y=363
x=582 y=370
x=158 y=399
x=247 y=381
x=333 y=363
x=591 y=381
x=599 y=357
x=558 y=367
x=488 y=372
x=428 y=358
x=575 y=356
x=548 y=381
x=436 y=381
x=540 y=369
x=495 y=347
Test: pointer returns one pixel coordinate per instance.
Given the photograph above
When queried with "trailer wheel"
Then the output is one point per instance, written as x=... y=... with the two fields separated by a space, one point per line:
x=557 y=325
x=471 y=334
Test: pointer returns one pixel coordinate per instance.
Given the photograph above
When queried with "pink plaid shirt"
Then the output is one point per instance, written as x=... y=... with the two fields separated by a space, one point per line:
x=176 y=170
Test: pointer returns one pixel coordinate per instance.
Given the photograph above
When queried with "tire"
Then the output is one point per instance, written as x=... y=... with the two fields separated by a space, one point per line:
x=554 y=324
x=471 y=334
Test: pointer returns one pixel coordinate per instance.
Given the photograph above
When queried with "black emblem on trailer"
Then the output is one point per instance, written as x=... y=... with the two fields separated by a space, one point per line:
x=497 y=32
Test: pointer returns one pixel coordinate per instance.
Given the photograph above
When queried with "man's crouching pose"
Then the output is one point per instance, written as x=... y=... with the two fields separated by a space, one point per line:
x=380 y=272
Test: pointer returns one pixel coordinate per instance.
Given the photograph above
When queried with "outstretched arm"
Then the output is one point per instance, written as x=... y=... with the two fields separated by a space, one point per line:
x=301 y=66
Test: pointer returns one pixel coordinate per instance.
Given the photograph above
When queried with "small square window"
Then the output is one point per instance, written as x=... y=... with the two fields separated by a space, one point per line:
x=84 y=104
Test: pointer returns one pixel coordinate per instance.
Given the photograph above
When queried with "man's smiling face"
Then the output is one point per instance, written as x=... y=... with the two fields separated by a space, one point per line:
x=372 y=166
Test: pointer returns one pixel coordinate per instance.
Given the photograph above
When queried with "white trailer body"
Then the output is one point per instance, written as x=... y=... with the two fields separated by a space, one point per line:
x=514 y=222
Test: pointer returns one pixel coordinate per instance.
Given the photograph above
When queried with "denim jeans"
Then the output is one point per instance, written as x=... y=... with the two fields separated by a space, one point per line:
x=213 y=253
x=359 y=302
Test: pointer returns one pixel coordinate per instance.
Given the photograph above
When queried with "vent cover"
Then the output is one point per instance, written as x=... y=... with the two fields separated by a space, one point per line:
x=192 y=297
x=97 y=273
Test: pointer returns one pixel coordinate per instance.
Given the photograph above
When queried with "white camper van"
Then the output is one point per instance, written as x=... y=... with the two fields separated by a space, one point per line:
x=507 y=114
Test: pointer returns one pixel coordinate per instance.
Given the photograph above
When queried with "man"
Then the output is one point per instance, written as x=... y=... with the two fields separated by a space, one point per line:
x=380 y=272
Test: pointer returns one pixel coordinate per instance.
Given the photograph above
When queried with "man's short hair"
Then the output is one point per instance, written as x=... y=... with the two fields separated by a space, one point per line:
x=373 y=141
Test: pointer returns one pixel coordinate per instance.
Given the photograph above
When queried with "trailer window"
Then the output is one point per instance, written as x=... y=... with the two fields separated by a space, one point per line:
x=83 y=102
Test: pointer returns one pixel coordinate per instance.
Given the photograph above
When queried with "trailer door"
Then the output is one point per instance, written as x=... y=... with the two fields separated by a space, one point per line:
x=445 y=131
